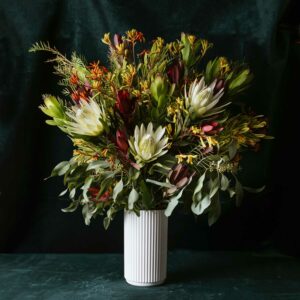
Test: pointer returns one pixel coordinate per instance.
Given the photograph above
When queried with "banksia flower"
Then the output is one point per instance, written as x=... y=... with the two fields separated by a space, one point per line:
x=147 y=145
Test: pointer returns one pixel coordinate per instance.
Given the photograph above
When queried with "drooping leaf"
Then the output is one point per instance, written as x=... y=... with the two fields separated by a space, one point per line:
x=106 y=222
x=199 y=208
x=232 y=149
x=173 y=202
x=198 y=189
x=214 y=186
x=63 y=192
x=132 y=198
x=254 y=190
x=72 y=207
x=87 y=183
x=231 y=192
x=72 y=193
x=87 y=212
x=118 y=189
x=224 y=182
x=60 y=169
x=98 y=164
x=214 y=211
x=239 y=192
x=163 y=184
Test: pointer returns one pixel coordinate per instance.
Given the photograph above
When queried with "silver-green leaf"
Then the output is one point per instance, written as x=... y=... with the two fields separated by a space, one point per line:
x=118 y=189
x=132 y=198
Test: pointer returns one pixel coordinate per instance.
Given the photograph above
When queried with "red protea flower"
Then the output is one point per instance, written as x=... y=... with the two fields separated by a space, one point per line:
x=121 y=141
x=125 y=105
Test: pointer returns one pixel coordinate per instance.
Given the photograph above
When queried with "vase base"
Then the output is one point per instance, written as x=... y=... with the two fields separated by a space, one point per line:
x=145 y=283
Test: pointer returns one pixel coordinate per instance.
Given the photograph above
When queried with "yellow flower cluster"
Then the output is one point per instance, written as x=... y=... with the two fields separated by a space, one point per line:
x=144 y=85
x=205 y=45
x=158 y=45
x=175 y=108
x=128 y=75
x=186 y=157
x=225 y=67
x=205 y=140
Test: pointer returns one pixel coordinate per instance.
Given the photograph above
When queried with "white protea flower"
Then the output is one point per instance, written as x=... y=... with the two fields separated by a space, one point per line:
x=147 y=145
x=88 y=118
x=201 y=100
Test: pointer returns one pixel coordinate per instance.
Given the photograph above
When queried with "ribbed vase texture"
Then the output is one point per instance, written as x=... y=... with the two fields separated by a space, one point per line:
x=145 y=247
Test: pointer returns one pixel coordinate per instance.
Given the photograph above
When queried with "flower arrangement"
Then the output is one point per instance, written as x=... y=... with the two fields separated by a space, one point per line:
x=152 y=127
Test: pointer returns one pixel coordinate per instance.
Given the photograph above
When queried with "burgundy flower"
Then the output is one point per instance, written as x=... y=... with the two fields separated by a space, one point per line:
x=219 y=85
x=121 y=141
x=179 y=177
x=211 y=128
x=125 y=105
x=175 y=72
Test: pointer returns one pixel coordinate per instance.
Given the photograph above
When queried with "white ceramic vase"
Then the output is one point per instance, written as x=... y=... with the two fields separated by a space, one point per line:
x=145 y=247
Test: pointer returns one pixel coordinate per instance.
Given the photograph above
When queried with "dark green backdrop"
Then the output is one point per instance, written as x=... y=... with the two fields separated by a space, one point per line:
x=257 y=31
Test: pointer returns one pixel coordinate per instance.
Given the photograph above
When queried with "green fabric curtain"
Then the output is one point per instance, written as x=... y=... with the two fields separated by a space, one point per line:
x=30 y=217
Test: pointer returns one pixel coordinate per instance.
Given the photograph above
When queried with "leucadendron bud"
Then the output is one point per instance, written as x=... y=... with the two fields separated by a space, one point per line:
x=52 y=107
x=159 y=90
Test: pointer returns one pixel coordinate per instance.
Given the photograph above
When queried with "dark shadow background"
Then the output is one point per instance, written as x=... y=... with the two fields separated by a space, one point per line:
x=264 y=33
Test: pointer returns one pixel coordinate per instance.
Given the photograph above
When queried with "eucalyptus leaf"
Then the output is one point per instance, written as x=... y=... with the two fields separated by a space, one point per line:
x=60 y=169
x=231 y=192
x=232 y=149
x=72 y=193
x=106 y=222
x=254 y=190
x=98 y=164
x=163 y=184
x=214 y=186
x=71 y=208
x=198 y=189
x=239 y=192
x=214 y=211
x=87 y=183
x=118 y=189
x=87 y=212
x=173 y=202
x=63 y=193
x=132 y=198
x=224 y=182
x=159 y=168
x=199 y=208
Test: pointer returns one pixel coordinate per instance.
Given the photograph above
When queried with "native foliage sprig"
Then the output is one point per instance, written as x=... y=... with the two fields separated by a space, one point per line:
x=152 y=127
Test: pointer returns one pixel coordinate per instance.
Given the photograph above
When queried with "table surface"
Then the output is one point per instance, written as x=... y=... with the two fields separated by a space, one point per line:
x=191 y=275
